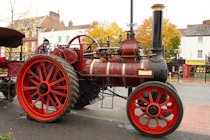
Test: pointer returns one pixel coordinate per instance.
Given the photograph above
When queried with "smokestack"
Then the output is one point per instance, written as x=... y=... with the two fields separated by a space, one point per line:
x=157 y=27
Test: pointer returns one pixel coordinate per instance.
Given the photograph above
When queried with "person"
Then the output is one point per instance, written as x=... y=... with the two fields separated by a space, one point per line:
x=43 y=47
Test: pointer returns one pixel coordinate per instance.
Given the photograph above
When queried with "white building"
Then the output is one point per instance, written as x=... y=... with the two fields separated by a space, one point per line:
x=62 y=36
x=195 y=45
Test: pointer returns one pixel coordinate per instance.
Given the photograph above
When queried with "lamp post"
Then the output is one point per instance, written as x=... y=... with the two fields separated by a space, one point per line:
x=206 y=58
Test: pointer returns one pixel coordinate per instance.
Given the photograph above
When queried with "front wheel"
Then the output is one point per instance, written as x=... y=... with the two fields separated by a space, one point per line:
x=146 y=111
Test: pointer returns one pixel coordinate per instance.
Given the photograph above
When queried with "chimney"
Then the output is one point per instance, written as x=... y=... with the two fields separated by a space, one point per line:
x=157 y=27
x=70 y=23
x=206 y=22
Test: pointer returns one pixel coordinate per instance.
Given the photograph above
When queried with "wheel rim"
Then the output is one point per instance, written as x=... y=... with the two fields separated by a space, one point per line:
x=154 y=110
x=79 y=38
x=43 y=88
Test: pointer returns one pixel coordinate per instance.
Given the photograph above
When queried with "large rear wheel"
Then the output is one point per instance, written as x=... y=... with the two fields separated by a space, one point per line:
x=148 y=105
x=47 y=87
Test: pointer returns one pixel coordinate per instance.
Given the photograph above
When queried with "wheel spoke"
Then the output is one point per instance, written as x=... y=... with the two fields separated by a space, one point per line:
x=47 y=105
x=148 y=120
x=34 y=82
x=144 y=100
x=30 y=88
x=166 y=111
x=157 y=121
x=163 y=118
x=59 y=87
x=150 y=96
x=139 y=106
x=33 y=104
x=158 y=97
x=51 y=100
x=33 y=74
x=143 y=114
x=79 y=40
x=34 y=94
x=58 y=93
x=164 y=103
x=57 y=100
x=55 y=74
x=90 y=45
x=57 y=81
x=44 y=68
x=40 y=73
x=50 y=73
x=42 y=103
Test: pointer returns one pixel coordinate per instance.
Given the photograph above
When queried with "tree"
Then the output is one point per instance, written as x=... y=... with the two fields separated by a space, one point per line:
x=101 y=31
x=12 y=10
x=171 y=37
x=17 y=25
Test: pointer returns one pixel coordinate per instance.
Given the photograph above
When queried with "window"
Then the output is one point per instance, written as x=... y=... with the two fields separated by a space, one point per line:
x=33 y=34
x=200 y=53
x=26 y=47
x=27 y=34
x=67 y=39
x=59 y=39
x=200 y=38
x=33 y=46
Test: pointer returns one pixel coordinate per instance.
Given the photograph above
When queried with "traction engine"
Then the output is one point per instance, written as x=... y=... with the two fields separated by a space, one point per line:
x=50 y=85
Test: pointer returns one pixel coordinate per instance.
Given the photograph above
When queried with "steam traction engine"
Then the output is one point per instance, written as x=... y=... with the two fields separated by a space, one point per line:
x=49 y=85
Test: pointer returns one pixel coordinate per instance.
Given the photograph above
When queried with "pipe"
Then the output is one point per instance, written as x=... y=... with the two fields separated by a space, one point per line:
x=157 y=27
x=132 y=34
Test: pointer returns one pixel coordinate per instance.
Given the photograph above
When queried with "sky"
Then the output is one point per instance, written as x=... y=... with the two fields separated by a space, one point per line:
x=179 y=12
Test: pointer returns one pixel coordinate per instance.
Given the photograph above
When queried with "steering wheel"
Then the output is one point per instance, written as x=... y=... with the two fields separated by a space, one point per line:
x=87 y=45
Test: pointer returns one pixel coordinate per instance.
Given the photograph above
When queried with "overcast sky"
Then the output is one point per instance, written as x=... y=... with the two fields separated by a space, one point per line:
x=180 y=12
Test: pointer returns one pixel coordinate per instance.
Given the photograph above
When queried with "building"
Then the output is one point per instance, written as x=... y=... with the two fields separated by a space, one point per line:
x=32 y=26
x=195 y=46
x=64 y=35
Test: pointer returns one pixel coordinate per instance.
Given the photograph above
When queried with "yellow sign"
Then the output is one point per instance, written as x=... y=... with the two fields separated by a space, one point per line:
x=195 y=62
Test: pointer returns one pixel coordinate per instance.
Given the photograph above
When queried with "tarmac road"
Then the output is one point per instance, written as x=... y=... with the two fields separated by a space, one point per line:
x=96 y=123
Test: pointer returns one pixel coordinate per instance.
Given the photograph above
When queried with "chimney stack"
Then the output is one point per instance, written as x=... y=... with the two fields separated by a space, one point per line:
x=157 y=27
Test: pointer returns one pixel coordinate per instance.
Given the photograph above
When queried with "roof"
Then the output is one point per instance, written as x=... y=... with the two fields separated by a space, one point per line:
x=196 y=30
x=28 y=23
x=10 y=38
x=77 y=27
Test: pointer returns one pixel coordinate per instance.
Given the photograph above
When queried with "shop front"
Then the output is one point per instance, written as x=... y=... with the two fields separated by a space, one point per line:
x=194 y=68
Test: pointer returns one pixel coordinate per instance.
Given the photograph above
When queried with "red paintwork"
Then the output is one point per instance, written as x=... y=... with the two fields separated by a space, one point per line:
x=58 y=52
x=14 y=67
x=140 y=115
x=57 y=96
x=70 y=55
x=129 y=51
x=121 y=71
x=115 y=73
x=3 y=62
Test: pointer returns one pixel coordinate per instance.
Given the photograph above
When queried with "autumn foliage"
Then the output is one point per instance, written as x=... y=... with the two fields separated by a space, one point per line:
x=171 y=37
x=101 y=31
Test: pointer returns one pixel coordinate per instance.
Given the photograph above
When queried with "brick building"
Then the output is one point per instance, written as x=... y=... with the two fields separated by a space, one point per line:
x=32 y=26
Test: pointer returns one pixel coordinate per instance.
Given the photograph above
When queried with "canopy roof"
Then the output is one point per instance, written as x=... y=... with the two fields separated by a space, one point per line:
x=10 y=38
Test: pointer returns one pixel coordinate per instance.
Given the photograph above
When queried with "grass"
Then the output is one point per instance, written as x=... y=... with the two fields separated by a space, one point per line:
x=7 y=136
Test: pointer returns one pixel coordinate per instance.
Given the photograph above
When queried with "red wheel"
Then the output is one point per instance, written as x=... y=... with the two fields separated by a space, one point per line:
x=89 y=44
x=46 y=87
x=147 y=113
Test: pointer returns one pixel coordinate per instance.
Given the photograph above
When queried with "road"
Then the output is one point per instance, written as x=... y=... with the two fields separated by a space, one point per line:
x=94 y=122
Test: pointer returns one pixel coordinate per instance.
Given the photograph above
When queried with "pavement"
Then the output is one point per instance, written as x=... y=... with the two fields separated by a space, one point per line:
x=94 y=122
